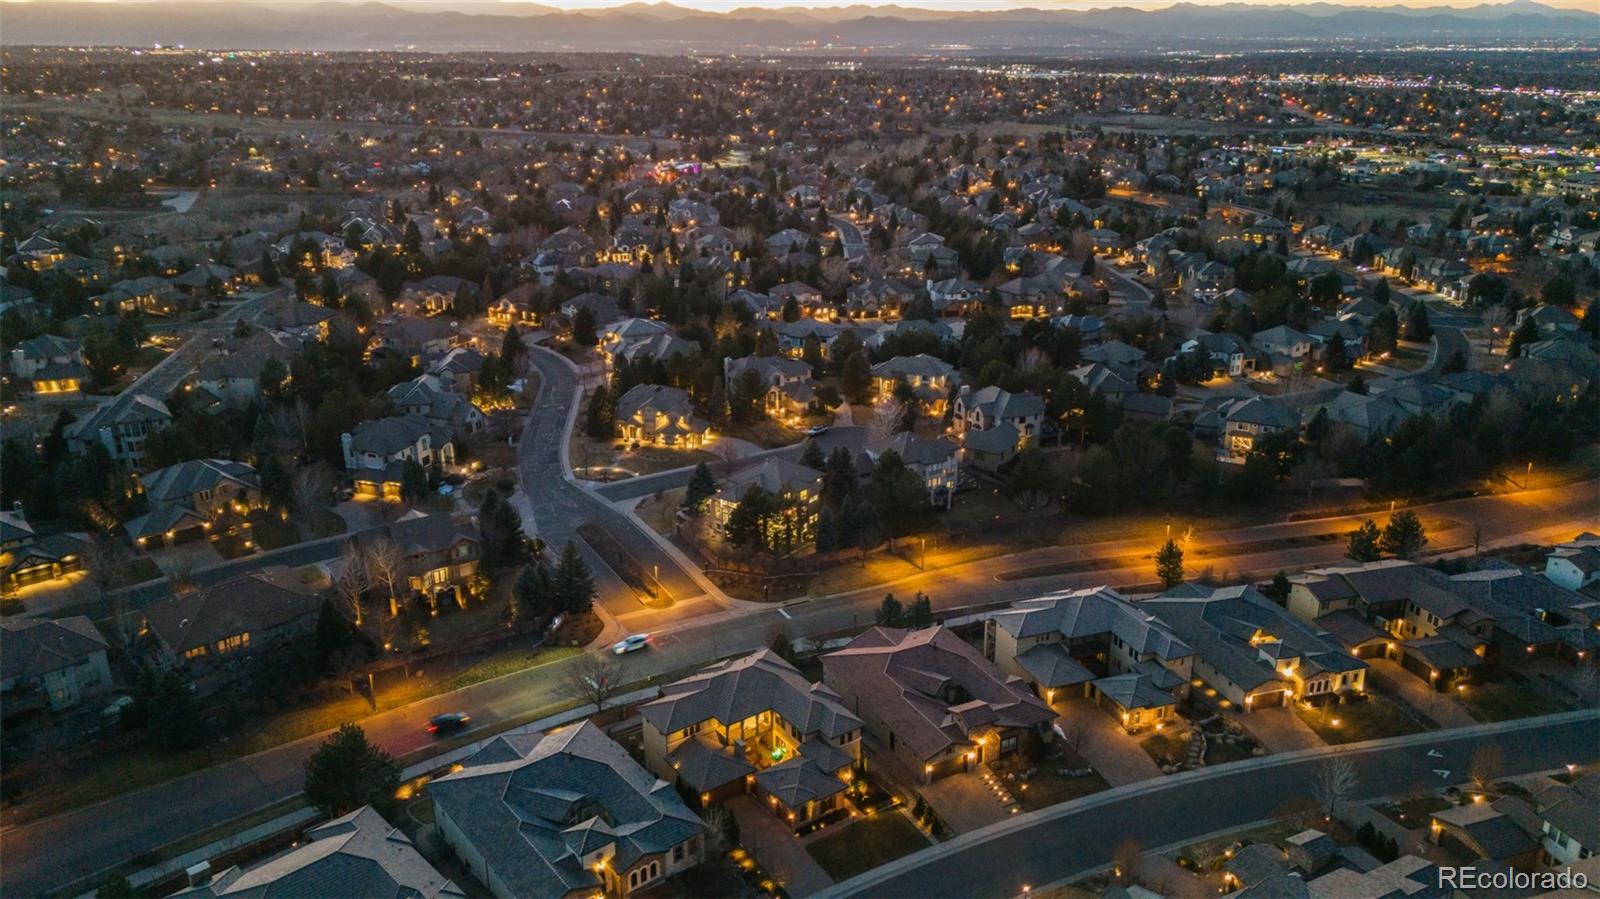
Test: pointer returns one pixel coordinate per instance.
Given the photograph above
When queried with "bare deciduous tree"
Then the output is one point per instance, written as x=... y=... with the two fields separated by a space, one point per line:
x=353 y=582
x=308 y=495
x=594 y=678
x=383 y=566
x=1336 y=780
x=1487 y=765
x=1125 y=862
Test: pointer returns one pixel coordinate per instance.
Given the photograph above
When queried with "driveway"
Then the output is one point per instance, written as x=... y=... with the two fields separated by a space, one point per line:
x=969 y=801
x=777 y=848
x=1111 y=751
x=1398 y=684
x=1280 y=730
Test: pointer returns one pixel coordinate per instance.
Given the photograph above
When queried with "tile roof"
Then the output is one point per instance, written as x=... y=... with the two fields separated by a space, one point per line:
x=35 y=647
x=534 y=808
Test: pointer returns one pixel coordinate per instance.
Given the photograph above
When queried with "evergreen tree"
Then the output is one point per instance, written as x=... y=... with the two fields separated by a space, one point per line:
x=1403 y=537
x=1380 y=291
x=413 y=482
x=269 y=270
x=827 y=532
x=534 y=590
x=600 y=419
x=583 y=328
x=1169 y=564
x=1364 y=543
x=856 y=378
x=920 y=614
x=700 y=490
x=1417 y=325
x=347 y=772
x=811 y=456
x=574 y=584
x=890 y=613
x=838 y=479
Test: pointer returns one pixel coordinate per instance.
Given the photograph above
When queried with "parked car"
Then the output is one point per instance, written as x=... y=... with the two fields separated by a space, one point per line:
x=817 y=430
x=448 y=723
x=631 y=643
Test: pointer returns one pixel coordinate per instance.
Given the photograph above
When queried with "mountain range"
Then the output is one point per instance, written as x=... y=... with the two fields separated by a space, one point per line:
x=483 y=25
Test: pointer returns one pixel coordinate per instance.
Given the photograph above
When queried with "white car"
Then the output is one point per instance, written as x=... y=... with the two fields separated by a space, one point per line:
x=632 y=643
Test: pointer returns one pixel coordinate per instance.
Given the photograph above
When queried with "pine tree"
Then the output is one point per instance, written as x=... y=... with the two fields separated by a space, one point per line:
x=827 y=534
x=700 y=490
x=574 y=584
x=920 y=614
x=347 y=772
x=269 y=269
x=890 y=613
x=1404 y=536
x=1169 y=564
x=1364 y=543
x=600 y=420
x=856 y=378
x=811 y=456
x=533 y=590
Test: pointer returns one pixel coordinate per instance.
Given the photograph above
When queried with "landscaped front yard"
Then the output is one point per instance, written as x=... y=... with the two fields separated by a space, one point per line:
x=1374 y=719
x=866 y=844
x=1509 y=695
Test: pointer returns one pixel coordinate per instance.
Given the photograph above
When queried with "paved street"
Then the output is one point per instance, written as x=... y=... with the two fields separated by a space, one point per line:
x=1079 y=836
x=698 y=628
x=560 y=505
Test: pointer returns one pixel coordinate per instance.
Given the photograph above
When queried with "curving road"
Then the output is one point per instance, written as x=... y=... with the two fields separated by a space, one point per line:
x=1078 y=837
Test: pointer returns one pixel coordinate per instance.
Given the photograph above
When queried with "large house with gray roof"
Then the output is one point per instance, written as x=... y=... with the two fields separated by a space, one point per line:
x=564 y=814
x=193 y=499
x=51 y=664
x=358 y=854
x=933 y=702
x=1096 y=643
x=1252 y=652
x=121 y=426
x=376 y=452
x=755 y=725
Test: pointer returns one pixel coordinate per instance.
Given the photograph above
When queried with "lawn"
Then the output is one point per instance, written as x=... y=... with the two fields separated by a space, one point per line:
x=1046 y=788
x=1509 y=696
x=1416 y=811
x=1374 y=719
x=508 y=663
x=866 y=845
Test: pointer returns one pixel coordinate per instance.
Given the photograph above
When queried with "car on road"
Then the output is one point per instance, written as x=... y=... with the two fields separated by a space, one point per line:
x=448 y=723
x=631 y=643
x=816 y=430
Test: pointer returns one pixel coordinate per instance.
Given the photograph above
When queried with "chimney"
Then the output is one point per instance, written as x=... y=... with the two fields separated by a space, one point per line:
x=198 y=874
x=16 y=509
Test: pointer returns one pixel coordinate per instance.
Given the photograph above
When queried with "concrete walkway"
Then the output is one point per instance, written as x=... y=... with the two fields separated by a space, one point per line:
x=1113 y=753
x=777 y=848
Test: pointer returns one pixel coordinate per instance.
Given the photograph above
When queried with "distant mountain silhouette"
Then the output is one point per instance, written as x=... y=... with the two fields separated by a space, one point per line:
x=442 y=25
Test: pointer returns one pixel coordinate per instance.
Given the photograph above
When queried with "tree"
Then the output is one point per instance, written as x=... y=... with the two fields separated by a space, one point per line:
x=583 y=328
x=1127 y=857
x=311 y=487
x=1559 y=291
x=1032 y=478
x=1403 y=536
x=574 y=584
x=383 y=559
x=1526 y=333
x=1169 y=564
x=1417 y=325
x=890 y=613
x=347 y=772
x=920 y=613
x=702 y=486
x=856 y=378
x=534 y=589
x=353 y=583
x=1336 y=780
x=413 y=481
x=1364 y=543
x=811 y=456
x=269 y=269
x=1357 y=385
x=1380 y=291
x=747 y=523
x=600 y=419
x=791 y=310
x=593 y=677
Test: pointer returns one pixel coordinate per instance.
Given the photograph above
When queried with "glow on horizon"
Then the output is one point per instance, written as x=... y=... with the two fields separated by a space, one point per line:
x=993 y=5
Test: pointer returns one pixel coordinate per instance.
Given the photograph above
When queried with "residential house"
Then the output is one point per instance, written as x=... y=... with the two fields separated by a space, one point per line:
x=934 y=462
x=240 y=616
x=1574 y=564
x=1246 y=421
x=789 y=392
x=438 y=554
x=376 y=452
x=564 y=814
x=931 y=379
x=1500 y=831
x=1225 y=352
x=516 y=307
x=1096 y=643
x=440 y=401
x=27 y=559
x=193 y=500
x=754 y=725
x=152 y=295
x=661 y=416
x=1569 y=820
x=51 y=364
x=1428 y=627
x=1253 y=652
x=52 y=664
x=933 y=702
x=358 y=854
x=121 y=426
x=434 y=295
x=990 y=406
x=779 y=478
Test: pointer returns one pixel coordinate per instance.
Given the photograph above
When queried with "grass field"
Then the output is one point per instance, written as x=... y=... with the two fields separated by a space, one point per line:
x=866 y=845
